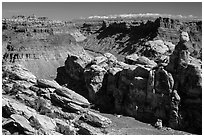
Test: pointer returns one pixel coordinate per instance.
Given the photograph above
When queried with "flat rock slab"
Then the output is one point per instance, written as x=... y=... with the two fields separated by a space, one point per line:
x=22 y=122
x=96 y=119
x=86 y=129
x=48 y=83
x=70 y=94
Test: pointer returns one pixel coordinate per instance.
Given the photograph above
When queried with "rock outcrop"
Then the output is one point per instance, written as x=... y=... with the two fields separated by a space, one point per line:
x=43 y=107
x=143 y=89
x=125 y=37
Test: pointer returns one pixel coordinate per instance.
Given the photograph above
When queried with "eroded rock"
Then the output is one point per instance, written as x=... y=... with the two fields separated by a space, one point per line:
x=96 y=119
x=48 y=83
x=18 y=72
x=22 y=122
x=75 y=65
x=72 y=96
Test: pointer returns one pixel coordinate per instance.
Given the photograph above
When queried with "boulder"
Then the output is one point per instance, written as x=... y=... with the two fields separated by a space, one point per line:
x=86 y=129
x=23 y=84
x=100 y=60
x=135 y=59
x=11 y=106
x=64 y=127
x=130 y=59
x=158 y=124
x=22 y=123
x=43 y=106
x=48 y=83
x=72 y=96
x=110 y=57
x=96 y=119
x=66 y=103
x=75 y=65
x=158 y=46
x=41 y=121
x=184 y=37
x=75 y=108
x=18 y=72
x=114 y=70
x=145 y=61
x=21 y=88
x=28 y=100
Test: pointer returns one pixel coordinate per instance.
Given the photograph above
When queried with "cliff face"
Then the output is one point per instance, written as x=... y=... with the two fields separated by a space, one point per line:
x=48 y=46
x=126 y=37
x=42 y=53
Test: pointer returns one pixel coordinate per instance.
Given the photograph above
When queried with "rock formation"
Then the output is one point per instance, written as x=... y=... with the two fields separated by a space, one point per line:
x=125 y=37
x=41 y=107
x=144 y=91
x=159 y=81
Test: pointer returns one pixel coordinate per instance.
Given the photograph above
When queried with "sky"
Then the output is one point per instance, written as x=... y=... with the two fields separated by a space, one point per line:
x=71 y=10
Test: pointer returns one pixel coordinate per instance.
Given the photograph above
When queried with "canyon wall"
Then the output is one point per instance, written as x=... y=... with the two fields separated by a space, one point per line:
x=41 y=50
x=125 y=37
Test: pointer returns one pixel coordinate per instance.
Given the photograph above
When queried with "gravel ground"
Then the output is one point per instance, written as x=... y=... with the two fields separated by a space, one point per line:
x=123 y=125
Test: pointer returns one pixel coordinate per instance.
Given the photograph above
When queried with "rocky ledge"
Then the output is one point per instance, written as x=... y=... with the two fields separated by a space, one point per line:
x=34 y=106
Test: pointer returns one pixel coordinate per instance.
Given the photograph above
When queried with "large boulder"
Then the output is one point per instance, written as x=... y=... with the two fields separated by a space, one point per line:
x=72 y=96
x=11 y=106
x=22 y=123
x=48 y=83
x=86 y=129
x=159 y=46
x=110 y=57
x=75 y=65
x=26 y=118
x=135 y=59
x=95 y=74
x=96 y=119
x=18 y=72
x=42 y=121
x=130 y=59
x=66 y=128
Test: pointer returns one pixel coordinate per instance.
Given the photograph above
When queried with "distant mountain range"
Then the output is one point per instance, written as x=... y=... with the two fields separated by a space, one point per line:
x=154 y=15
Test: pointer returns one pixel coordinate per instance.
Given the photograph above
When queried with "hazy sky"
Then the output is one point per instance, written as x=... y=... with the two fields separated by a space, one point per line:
x=68 y=10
